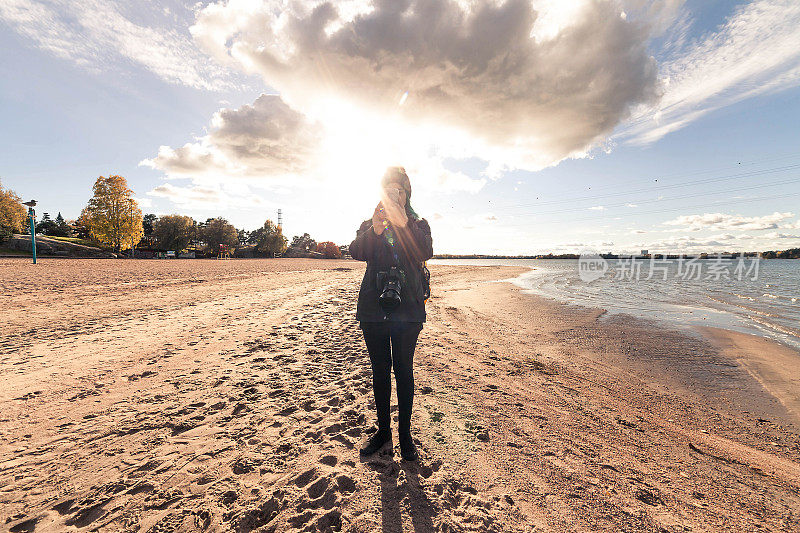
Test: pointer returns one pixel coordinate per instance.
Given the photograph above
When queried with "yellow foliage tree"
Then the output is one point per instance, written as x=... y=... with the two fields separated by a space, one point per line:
x=113 y=217
x=13 y=215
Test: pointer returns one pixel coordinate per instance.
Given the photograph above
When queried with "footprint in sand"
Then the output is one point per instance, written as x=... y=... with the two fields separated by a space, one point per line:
x=306 y=477
x=329 y=460
x=318 y=488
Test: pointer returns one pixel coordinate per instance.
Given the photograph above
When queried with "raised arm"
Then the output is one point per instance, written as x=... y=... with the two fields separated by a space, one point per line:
x=363 y=246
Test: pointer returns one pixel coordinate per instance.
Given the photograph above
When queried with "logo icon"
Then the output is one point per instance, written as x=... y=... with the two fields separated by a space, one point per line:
x=591 y=266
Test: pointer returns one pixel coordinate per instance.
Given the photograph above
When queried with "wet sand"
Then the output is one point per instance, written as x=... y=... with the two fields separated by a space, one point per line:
x=233 y=395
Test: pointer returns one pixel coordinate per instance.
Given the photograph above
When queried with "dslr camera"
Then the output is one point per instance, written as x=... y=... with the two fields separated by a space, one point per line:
x=390 y=285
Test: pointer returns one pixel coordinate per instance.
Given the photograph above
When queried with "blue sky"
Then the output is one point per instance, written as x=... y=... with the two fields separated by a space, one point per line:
x=673 y=127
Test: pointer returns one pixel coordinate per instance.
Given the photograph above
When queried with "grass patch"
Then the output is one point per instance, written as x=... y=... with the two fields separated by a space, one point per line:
x=9 y=251
x=74 y=240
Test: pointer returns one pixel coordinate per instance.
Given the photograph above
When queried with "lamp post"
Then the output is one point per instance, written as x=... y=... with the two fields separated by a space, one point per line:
x=32 y=220
x=130 y=211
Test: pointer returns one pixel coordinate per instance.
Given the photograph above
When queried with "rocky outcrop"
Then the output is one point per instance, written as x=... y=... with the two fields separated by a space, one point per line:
x=47 y=246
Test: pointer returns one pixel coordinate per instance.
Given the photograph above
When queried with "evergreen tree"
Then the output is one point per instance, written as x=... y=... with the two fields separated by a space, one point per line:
x=60 y=227
x=304 y=242
x=46 y=226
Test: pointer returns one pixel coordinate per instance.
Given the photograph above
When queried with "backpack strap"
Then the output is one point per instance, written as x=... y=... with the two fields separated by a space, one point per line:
x=426 y=282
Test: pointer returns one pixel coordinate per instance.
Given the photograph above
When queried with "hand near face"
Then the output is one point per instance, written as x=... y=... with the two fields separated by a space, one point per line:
x=395 y=212
x=378 y=216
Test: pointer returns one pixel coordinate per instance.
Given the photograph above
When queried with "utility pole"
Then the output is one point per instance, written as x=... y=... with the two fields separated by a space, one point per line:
x=131 y=206
x=280 y=219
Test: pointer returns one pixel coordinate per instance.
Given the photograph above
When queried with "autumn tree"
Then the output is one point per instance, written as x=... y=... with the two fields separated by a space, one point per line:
x=329 y=250
x=13 y=215
x=173 y=232
x=269 y=239
x=112 y=215
x=81 y=227
x=218 y=231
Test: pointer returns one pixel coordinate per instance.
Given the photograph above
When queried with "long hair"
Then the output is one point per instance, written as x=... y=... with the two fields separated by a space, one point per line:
x=399 y=175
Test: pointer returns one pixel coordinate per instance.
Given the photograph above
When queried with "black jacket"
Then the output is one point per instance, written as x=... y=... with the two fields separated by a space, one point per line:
x=413 y=245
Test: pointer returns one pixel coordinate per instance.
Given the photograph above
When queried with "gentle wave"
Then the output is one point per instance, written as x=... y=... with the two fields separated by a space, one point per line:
x=776 y=327
x=766 y=306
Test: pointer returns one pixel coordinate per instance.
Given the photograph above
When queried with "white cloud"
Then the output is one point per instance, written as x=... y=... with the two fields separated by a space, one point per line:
x=791 y=225
x=756 y=51
x=583 y=246
x=723 y=242
x=778 y=235
x=483 y=218
x=96 y=35
x=144 y=203
x=681 y=244
x=206 y=197
x=723 y=221
x=475 y=76
x=270 y=141
x=264 y=139
x=597 y=208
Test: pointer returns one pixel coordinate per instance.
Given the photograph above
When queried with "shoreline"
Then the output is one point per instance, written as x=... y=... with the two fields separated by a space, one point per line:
x=236 y=396
x=758 y=330
x=771 y=362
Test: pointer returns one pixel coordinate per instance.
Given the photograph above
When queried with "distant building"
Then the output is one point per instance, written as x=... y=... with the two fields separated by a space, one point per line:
x=645 y=252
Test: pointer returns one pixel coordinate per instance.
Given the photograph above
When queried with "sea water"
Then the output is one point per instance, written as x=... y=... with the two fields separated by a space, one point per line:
x=762 y=297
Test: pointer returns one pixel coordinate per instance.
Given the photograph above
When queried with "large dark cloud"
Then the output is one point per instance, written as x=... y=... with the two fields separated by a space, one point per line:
x=473 y=65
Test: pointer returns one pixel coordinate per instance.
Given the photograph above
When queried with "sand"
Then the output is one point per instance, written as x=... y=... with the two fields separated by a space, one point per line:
x=233 y=395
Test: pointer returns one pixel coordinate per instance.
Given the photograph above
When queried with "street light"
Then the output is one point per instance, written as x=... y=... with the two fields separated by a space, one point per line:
x=32 y=217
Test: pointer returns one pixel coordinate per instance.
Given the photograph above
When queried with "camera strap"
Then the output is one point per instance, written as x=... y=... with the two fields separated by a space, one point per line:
x=426 y=282
x=389 y=237
x=391 y=240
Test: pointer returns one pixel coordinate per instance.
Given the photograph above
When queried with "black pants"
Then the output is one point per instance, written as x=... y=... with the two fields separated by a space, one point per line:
x=402 y=338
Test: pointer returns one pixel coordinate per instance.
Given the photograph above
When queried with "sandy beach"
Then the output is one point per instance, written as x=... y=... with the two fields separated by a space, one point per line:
x=203 y=395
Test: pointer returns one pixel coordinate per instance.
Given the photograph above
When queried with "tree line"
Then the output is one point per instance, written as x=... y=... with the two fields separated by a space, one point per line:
x=113 y=219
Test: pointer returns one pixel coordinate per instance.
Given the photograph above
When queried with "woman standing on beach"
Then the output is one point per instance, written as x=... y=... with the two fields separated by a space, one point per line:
x=391 y=302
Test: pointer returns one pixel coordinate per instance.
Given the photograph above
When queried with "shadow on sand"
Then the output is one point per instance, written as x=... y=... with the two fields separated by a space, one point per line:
x=401 y=492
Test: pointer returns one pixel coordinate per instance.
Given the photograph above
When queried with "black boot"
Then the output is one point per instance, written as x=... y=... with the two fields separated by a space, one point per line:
x=376 y=442
x=407 y=449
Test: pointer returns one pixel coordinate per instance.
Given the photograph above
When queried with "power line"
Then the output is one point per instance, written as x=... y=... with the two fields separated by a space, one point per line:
x=656 y=211
x=794 y=179
x=658 y=187
x=664 y=175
